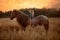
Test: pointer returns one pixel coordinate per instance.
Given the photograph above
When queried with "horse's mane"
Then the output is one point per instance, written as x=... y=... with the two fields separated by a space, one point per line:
x=19 y=12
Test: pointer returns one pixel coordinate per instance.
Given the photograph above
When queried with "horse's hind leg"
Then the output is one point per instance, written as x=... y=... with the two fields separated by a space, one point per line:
x=46 y=26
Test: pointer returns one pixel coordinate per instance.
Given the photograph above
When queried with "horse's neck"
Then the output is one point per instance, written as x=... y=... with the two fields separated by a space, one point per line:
x=22 y=15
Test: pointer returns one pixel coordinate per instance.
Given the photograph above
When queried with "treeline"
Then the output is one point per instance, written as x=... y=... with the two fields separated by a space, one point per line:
x=5 y=14
x=48 y=12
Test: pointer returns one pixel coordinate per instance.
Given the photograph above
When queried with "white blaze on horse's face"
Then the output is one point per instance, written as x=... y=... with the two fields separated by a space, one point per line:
x=13 y=15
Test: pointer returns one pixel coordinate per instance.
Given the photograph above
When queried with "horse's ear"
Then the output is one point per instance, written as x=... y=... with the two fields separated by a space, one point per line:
x=15 y=11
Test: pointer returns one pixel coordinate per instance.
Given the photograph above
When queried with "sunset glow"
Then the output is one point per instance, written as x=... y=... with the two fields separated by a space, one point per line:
x=6 y=5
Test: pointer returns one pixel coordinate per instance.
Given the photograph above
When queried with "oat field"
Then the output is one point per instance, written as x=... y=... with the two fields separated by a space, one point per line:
x=11 y=30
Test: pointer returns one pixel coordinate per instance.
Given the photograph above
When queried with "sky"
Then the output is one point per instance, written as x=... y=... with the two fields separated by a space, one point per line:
x=6 y=5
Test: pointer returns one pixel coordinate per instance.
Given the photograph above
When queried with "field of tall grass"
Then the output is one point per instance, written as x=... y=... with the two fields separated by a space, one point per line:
x=11 y=30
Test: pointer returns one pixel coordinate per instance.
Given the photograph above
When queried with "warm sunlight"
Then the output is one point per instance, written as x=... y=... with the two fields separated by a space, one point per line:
x=36 y=4
x=6 y=5
x=33 y=4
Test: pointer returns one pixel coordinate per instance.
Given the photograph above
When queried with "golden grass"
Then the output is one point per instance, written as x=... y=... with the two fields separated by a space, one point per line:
x=10 y=30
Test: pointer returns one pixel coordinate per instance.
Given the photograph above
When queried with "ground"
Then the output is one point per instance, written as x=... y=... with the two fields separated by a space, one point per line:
x=11 y=30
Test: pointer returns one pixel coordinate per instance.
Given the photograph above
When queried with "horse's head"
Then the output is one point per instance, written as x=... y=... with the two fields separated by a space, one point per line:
x=14 y=13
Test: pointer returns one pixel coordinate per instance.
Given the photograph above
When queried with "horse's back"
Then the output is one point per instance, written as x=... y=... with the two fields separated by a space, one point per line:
x=42 y=16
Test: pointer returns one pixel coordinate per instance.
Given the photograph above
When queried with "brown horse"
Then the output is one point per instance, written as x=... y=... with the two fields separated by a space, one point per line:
x=22 y=18
x=41 y=20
